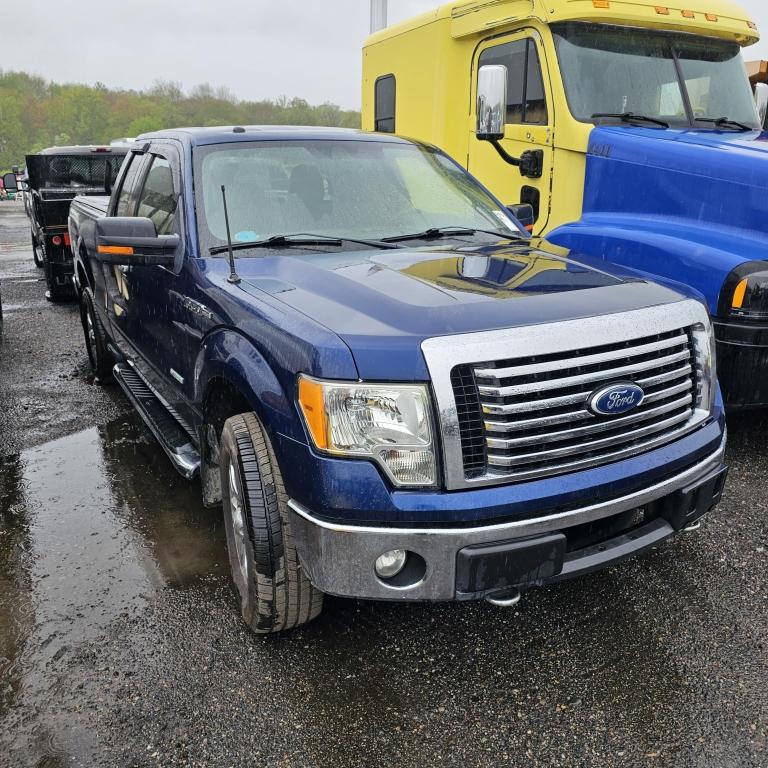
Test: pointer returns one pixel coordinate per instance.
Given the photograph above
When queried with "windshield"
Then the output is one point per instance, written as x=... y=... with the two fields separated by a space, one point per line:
x=671 y=77
x=353 y=189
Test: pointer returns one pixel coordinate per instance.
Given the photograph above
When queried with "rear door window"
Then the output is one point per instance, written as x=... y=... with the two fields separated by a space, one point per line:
x=158 y=198
x=124 y=197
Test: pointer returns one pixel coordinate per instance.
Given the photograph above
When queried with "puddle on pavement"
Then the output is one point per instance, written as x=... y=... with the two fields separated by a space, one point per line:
x=91 y=527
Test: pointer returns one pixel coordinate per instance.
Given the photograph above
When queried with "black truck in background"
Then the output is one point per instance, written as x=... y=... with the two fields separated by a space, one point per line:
x=55 y=177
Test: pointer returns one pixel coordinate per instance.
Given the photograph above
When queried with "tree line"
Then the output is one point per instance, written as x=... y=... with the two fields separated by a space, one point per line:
x=36 y=113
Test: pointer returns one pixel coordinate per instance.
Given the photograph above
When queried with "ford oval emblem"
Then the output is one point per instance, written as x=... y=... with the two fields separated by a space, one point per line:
x=616 y=399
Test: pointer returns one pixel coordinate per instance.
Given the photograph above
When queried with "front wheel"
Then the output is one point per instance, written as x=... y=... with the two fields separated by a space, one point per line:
x=95 y=338
x=275 y=593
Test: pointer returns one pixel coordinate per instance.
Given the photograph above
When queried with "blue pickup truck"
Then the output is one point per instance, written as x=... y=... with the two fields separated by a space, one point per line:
x=392 y=390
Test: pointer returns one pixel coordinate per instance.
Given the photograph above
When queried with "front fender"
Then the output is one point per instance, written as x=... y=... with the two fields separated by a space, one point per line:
x=229 y=355
x=690 y=253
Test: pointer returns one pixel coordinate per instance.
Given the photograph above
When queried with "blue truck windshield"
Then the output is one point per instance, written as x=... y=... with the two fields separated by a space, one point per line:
x=353 y=189
x=678 y=79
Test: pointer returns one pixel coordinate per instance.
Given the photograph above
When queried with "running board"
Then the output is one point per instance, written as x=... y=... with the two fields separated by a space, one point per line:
x=168 y=432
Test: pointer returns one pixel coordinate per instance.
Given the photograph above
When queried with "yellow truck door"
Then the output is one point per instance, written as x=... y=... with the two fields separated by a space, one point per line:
x=529 y=122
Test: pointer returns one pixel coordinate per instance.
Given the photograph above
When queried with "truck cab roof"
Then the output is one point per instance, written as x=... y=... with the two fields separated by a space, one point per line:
x=711 y=18
x=236 y=133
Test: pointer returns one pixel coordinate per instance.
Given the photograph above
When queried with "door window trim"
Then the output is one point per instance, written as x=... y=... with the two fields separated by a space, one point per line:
x=530 y=37
x=171 y=155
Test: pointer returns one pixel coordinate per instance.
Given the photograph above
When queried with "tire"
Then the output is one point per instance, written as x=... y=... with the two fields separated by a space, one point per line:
x=37 y=252
x=275 y=593
x=95 y=339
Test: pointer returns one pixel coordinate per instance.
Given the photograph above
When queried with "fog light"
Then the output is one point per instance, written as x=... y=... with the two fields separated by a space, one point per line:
x=391 y=563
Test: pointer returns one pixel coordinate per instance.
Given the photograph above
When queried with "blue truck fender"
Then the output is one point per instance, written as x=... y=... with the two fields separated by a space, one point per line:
x=227 y=355
x=666 y=249
x=228 y=363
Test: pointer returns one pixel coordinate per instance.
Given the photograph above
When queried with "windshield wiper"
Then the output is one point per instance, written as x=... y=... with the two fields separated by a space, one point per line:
x=434 y=233
x=631 y=117
x=725 y=122
x=300 y=239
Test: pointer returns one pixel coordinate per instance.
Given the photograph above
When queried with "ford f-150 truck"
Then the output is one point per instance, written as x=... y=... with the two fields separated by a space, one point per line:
x=394 y=392
x=628 y=126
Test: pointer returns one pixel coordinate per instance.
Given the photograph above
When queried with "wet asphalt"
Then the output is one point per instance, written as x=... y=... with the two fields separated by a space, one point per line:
x=121 y=642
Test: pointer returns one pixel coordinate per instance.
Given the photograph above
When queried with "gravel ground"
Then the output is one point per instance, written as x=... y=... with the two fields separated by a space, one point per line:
x=121 y=643
x=46 y=389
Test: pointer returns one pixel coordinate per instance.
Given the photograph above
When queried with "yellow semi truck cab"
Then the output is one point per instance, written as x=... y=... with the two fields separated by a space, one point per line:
x=420 y=80
x=628 y=126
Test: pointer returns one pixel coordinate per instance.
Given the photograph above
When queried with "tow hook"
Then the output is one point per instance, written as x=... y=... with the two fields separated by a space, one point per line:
x=504 y=599
x=694 y=526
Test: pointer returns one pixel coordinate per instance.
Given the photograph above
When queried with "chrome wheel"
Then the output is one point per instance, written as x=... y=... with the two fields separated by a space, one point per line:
x=238 y=523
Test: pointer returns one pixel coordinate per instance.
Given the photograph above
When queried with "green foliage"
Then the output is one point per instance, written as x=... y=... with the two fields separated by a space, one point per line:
x=35 y=114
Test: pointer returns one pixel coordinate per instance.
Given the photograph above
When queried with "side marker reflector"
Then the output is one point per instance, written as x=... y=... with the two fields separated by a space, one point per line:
x=739 y=293
x=116 y=250
x=312 y=402
x=662 y=11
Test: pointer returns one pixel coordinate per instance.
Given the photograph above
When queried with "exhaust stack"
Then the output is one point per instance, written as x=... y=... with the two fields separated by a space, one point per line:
x=378 y=15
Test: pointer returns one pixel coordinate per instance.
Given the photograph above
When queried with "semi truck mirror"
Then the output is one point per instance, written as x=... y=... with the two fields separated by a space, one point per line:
x=491 y=102
x=9 y=182
x=761 y=99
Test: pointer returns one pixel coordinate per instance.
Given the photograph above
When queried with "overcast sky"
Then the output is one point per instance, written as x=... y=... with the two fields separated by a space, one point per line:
x=257 y=48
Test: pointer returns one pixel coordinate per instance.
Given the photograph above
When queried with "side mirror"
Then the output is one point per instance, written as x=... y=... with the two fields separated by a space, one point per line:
x=524 y=214
x=761 y=99
x=133 y=240
x=10 y=183
x=491 y=102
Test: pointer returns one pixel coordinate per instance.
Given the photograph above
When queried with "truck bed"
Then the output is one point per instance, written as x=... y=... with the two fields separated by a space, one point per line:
x=92 y=206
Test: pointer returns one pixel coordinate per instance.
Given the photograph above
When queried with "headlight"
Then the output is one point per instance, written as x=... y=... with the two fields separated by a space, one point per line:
x=389 y=423
x=748 y=298
x=704 y=349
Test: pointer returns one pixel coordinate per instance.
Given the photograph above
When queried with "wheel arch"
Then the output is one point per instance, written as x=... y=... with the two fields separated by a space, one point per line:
x=233 y=377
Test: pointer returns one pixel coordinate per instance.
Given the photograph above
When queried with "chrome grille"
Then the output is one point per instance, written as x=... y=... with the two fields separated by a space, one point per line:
x=534 y=417
x=533 y=421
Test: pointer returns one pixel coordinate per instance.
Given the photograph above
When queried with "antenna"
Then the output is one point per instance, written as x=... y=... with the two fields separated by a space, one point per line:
x=378 y=15
x=233 y=276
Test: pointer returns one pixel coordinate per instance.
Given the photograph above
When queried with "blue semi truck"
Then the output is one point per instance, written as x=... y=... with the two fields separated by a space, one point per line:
x=392 y=389
x=627 y=126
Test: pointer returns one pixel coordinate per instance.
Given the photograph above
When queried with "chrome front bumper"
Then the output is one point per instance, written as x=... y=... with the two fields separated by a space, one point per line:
x=339 y=559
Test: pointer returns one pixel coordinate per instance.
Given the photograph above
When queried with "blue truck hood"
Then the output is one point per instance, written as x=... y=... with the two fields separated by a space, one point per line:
x=384 y=303
x=690 y=206
x=711 y=177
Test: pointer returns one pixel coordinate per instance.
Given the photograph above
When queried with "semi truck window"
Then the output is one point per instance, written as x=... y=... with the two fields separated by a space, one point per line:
x=384 y=108
x=385 y=104
x=158 y=200
x=124 y=198
x=716 y=80
x=526 y=102
x=609 y=69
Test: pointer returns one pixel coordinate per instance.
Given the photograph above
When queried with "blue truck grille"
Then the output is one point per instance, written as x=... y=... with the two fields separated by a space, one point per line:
x=527 y=418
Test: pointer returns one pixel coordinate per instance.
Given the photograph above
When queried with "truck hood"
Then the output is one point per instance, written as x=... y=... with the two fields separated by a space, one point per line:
x=711 y=177
x=383 y=304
